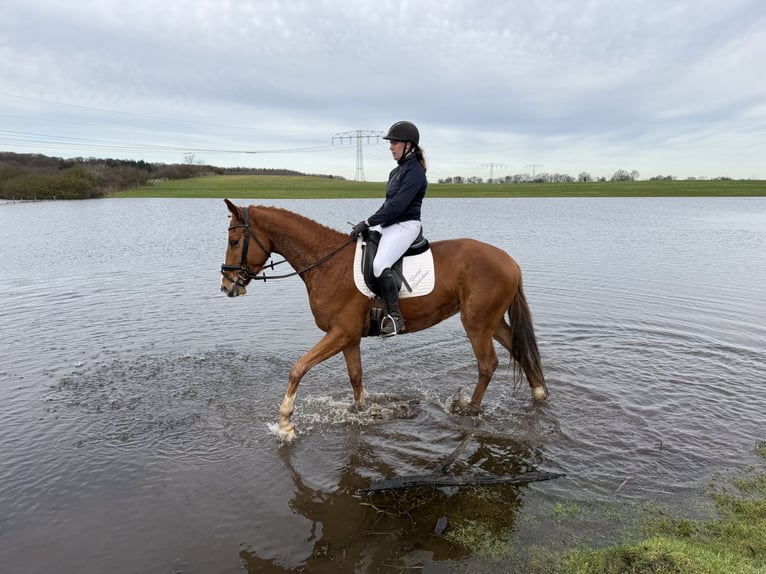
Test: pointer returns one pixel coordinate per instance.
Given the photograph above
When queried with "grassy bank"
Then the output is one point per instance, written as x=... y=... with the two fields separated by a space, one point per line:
x=310 y=187
x=733 y=543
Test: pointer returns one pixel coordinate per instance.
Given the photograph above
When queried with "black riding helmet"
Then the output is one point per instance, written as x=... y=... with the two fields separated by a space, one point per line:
x=403 y=132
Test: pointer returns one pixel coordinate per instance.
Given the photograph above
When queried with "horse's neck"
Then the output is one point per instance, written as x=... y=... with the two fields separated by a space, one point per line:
x=300 y=240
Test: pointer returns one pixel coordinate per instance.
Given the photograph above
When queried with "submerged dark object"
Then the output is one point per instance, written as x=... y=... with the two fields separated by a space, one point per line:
x=439 y=477
x=433 y=479
x=441 y=526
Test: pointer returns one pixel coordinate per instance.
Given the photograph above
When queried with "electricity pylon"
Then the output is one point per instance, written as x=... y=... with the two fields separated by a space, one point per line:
x=491 y=167
x=533 y=166
x=359 y=136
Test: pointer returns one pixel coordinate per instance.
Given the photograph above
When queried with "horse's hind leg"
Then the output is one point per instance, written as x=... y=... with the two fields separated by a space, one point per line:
x=353 y=356
x=486 y=358
x=504 y=335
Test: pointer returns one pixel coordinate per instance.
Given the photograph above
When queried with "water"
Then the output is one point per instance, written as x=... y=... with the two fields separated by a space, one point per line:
x=135 y=399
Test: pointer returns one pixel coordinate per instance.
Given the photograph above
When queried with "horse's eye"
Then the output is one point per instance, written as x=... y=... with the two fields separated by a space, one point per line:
x=234 y=242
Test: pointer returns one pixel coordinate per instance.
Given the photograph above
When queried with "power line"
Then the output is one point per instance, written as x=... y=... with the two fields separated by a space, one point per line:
x=162 y=118
x=76 y=142
x=359 y=136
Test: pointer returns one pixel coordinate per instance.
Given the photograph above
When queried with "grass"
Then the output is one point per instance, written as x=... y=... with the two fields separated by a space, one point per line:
x=480 y=538
x=734 y=543
x=314 y=187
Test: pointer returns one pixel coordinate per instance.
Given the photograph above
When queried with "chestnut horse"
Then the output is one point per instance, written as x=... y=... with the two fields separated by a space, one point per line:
x=479 y=280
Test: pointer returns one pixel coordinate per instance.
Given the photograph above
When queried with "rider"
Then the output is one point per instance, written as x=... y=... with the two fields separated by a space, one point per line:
x=398 y=219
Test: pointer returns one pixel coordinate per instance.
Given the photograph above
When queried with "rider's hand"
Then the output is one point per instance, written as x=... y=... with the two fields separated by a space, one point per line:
x=360 y=229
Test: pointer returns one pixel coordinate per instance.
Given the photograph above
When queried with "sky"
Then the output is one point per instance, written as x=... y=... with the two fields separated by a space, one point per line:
x=498 y=87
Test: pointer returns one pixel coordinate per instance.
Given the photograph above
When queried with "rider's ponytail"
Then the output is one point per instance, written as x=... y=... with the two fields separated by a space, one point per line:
x=418 y=151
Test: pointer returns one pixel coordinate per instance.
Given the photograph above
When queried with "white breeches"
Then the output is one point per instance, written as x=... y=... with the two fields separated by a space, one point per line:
x=394 y=241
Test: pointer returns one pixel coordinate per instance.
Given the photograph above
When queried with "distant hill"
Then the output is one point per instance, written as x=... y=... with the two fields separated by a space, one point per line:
x=37 y=176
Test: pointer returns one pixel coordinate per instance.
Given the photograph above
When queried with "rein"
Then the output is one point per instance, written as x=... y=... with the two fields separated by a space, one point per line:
x=244 y=273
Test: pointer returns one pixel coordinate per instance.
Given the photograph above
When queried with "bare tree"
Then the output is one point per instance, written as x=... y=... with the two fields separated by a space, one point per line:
x=621 y=175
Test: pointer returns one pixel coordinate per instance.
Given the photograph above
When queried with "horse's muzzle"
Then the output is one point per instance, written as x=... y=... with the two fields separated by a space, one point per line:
x=232 y=289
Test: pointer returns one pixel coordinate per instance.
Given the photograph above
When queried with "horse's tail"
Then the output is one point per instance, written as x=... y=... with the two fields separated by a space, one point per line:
x=524 y=345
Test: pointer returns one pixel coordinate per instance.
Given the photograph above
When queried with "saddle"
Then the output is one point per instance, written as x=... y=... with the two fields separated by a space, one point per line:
x=370 y=248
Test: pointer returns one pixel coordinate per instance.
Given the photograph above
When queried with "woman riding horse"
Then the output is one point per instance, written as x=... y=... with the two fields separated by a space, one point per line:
x=477 y=280
x=398 y=219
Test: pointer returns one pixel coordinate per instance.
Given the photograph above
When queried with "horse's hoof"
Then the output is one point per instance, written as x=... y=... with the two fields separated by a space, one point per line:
x=286 y=434
x=539 y=393
x=459 y=407
x=356 y=408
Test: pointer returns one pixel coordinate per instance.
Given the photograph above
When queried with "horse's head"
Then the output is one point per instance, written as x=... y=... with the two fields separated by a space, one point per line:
x=242 y=263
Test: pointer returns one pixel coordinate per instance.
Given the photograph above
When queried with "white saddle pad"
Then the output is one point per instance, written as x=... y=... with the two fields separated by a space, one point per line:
x=418 y=271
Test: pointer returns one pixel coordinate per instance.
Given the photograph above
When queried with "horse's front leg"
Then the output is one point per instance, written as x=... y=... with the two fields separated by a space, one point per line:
x=353 y=356
x=331 y=344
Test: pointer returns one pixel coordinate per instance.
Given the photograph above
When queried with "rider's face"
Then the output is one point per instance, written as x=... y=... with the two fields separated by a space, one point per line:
x=397 y=149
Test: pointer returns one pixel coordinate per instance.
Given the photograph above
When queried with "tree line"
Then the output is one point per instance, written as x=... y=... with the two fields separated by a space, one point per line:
x=583 y=177
x=37 y=176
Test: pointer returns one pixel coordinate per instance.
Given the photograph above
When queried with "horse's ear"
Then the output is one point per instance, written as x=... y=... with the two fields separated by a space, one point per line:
x=233 y=208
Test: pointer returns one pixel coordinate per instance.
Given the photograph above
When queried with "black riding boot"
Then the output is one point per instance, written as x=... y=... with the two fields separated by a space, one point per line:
x=392 y=323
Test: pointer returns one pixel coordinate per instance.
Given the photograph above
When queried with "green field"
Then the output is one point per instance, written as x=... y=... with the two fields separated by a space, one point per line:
x=314 y=187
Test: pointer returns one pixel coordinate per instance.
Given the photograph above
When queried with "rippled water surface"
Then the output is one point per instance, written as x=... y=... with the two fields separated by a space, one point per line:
x=135 y=399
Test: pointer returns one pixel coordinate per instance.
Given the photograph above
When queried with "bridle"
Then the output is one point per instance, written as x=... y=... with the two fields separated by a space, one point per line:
x=244 y=274
x=243 y=271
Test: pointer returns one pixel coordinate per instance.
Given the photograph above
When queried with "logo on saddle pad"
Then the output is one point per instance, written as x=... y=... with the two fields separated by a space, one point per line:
x=415 y=268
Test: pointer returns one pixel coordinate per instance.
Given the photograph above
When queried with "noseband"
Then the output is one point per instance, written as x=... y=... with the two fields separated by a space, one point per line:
x=243 y=271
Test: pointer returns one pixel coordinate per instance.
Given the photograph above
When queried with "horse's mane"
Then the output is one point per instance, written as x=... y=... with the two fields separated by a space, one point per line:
x=318 y=231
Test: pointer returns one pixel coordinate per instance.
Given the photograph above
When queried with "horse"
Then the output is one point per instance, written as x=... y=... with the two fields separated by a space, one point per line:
x=476 y=279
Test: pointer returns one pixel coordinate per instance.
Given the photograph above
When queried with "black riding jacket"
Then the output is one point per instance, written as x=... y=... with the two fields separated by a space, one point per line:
x=404 y=193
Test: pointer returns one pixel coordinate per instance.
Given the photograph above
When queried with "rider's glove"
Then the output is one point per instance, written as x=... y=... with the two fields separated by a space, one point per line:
x=360 y=229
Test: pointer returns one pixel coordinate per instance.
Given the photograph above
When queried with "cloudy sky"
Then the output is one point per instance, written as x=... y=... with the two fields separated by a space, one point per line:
x=671 y=87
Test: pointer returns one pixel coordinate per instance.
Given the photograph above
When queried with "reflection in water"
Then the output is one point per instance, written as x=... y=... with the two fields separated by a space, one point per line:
x=193 y=430
x=355 y=532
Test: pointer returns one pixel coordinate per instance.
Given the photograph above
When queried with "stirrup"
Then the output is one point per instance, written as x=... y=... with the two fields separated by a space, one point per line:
x=390 y=326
